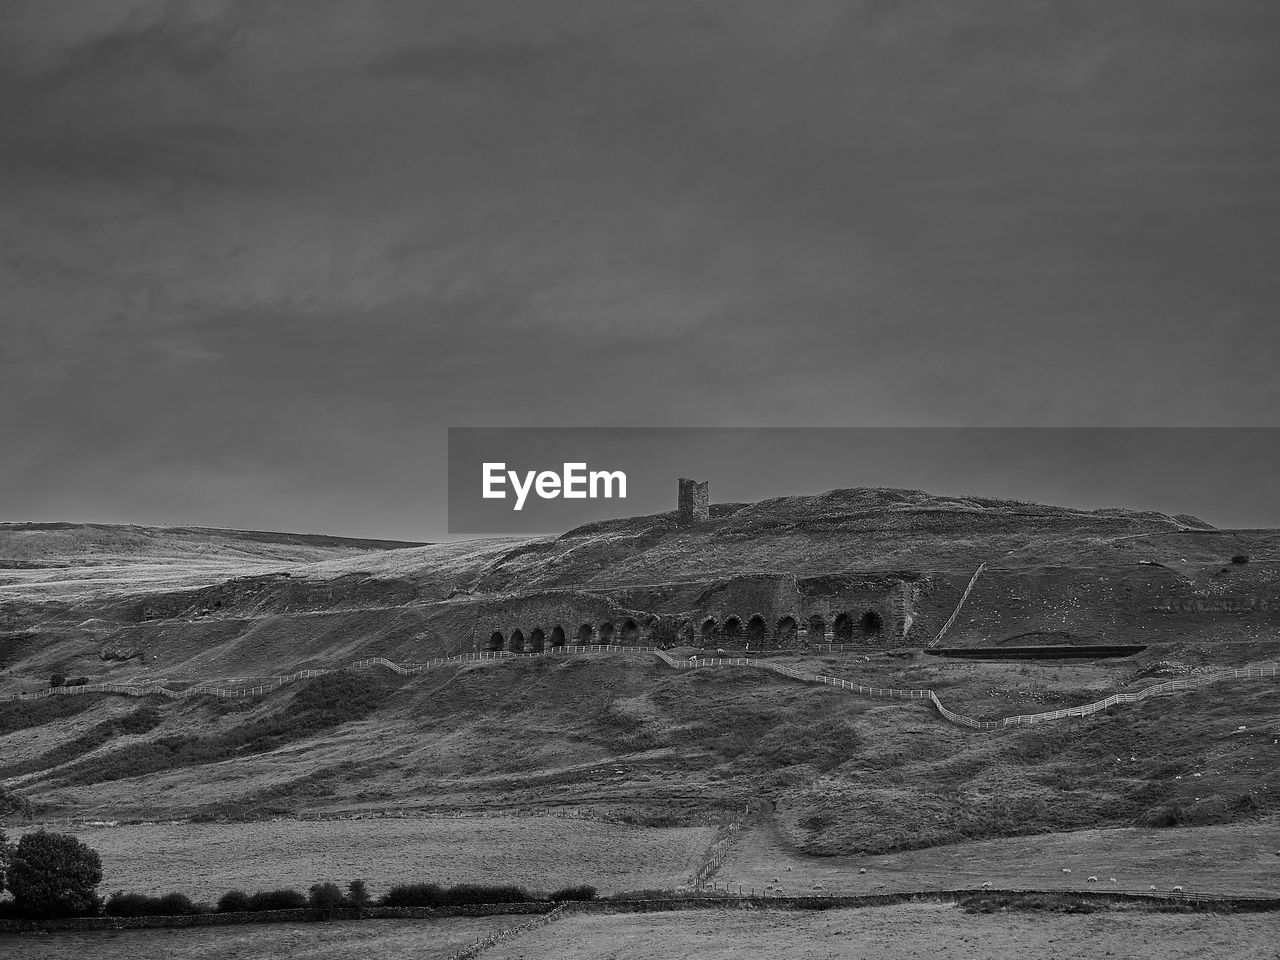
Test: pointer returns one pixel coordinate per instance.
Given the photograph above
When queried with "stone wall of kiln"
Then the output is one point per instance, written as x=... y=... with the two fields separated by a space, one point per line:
x=752 y=611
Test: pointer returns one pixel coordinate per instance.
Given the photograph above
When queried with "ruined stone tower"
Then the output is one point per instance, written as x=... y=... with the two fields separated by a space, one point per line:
x=694 y=503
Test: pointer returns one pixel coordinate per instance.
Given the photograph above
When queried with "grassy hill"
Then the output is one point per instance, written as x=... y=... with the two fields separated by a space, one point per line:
x=627 y=737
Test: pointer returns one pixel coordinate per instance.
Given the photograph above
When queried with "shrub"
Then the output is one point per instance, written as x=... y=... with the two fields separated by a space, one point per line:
x=1240 y=558
x=583 y=892
x=466 y=893
x=357 y=894
x=325 y=898
x=175 y=905
x=233 y=901
x=53 y=874
x=277 y=900
x=77 y=682
x=57 y=680
x=121 y=904
x=414 y=895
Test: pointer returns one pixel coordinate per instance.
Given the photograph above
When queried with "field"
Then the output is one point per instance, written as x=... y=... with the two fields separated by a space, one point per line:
x=896 y=933
x=385 y=939
x=539 y=852
x=1236 y=859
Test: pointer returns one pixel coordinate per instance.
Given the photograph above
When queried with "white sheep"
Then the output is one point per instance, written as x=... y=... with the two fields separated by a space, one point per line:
x=987 y=885
x=1092 y=880
x=1066 y=869
x=1177 y=889
x=1112 y=880
x=862 y=869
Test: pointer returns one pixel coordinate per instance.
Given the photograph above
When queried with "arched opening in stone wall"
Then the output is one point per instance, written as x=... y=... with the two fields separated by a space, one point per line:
x=585 y=633
x=630 y=632
x=606 y=632
x=657 y=633
x=842 y=629
x=708 y=630
x=686 y=634
x=817 y=629
x=756 y=629
x=537 y=640
x=557 y=636
x=733 y=630
x=517 y=640
x=497 y=641
x=788 y=631
x=871 y=624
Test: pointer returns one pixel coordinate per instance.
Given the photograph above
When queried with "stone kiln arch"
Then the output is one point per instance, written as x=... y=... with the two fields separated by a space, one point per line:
x=817 y=629
x=871 y=624
x=842 y=629
x=788 y=631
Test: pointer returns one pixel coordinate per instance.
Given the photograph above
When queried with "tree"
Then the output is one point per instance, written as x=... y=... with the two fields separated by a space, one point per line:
x=57 y=680
x=54 y=874
x=326 y=898
x=357 y=894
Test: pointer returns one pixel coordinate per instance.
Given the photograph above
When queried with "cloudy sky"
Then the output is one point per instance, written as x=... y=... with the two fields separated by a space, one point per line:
x=256 y=256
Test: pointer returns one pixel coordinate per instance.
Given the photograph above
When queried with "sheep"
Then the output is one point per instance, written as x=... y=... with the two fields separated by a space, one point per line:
x=1152 y=887
x=1092 y=880
x=862 y=869
x=1177 y=889
x=1066 y=869
x=987 y=885
x=1112 y=880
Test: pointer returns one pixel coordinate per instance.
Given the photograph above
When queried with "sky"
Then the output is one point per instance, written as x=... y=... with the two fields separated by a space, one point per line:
x=257 y=256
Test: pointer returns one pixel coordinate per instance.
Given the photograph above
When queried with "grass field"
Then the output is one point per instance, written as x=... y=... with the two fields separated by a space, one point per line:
x=896 y=933
x=1240 y=859
x=384 y=939
x=541 y=853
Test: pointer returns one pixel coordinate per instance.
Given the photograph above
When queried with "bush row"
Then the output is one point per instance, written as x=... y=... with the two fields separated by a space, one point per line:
x=328 y=897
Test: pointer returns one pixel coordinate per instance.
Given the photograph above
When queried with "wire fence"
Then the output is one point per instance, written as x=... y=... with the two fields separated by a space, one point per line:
x=1155 y=690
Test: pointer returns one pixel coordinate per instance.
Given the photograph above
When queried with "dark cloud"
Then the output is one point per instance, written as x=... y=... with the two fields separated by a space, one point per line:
x=273 y=242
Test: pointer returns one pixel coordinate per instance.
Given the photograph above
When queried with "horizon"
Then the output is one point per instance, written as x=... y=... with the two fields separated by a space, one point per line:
x=464 y=538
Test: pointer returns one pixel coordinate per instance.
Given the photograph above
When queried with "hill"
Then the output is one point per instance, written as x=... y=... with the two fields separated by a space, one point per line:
x=120 y=602
x=624 y=737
